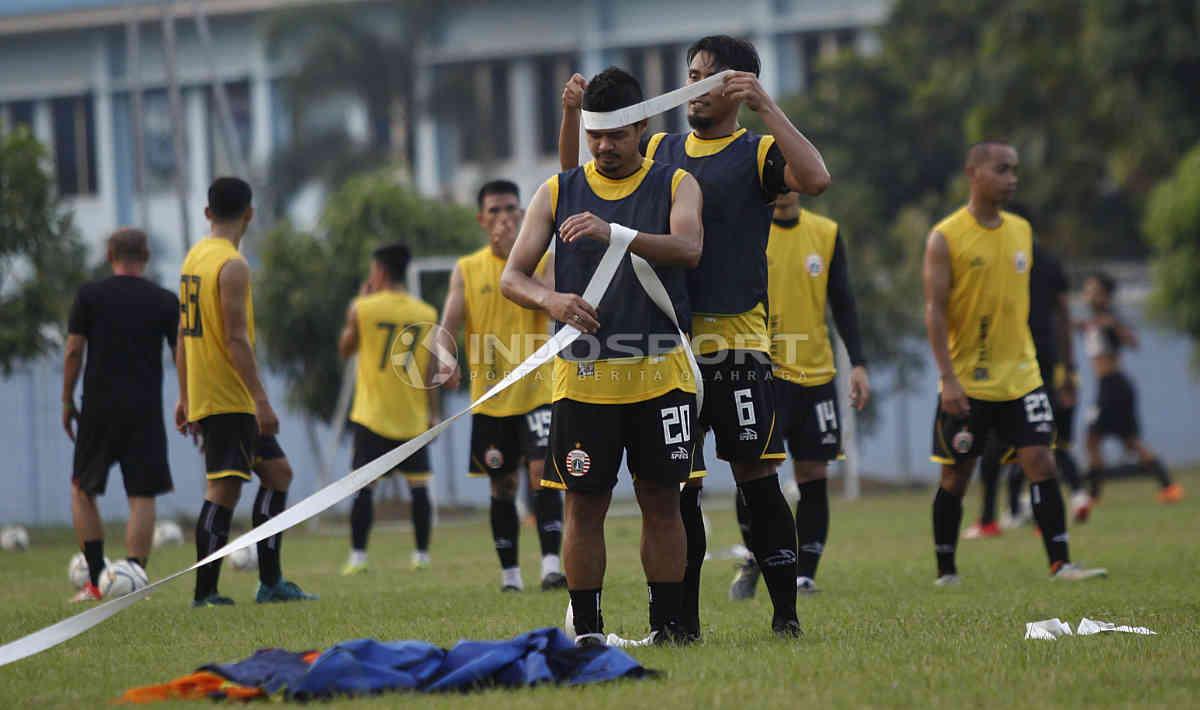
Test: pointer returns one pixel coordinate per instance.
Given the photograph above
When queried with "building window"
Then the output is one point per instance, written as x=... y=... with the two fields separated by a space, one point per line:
x=157 y=141
x=500 y=119
x=552 y=74
x=74 y=119
x=219 y=154
x=474 y=99
x=20 y=113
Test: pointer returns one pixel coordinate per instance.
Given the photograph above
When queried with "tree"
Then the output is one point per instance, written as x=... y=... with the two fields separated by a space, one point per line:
x=307 y=280
x=1172 y=227
x=41 y=255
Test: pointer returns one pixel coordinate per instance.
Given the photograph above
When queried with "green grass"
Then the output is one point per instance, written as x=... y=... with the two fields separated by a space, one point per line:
x=879 y=635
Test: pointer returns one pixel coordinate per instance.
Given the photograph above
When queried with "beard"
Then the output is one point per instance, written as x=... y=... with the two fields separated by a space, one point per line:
x=700 y=122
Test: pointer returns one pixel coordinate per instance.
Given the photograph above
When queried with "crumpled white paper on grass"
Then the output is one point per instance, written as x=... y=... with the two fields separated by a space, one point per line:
x=1088 y=627
x=1054 y=629
x=1047 y=630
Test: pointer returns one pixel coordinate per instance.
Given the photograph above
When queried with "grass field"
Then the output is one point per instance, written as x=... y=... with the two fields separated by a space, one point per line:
x=879 y=635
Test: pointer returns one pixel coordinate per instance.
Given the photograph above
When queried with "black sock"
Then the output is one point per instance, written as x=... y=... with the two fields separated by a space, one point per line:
x=1095 y=480
x=666 y=600
x=1066 y=466
x=505 y=528
x=212 y=532
x=743 y=518
x=140 y=561
x=267 y=504
x=548 y=508
x=989 y=476
x=812 y=526
x=1156 y=468
x=947 y=517
x=1051 y=518
x=697 y=545
x=1016 y=479
x=93 y=552
x=585 y=607
x=773 y=532
x=422 y=517
x=362 y=517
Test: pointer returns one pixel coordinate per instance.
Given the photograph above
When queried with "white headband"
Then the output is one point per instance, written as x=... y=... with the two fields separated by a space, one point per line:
x=609 y=120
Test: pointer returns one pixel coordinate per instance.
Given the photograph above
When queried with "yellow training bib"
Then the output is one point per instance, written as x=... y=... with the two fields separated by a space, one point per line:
x=798 y=259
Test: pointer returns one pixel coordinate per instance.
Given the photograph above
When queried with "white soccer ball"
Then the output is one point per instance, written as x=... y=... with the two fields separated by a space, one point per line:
x=121 y=578
x=245 y=559
x=569 y=623
x=167 y=532
x=14 y=538
x=77 y=570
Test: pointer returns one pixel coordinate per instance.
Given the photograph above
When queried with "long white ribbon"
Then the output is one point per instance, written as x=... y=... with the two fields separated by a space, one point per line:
x=330 y=495
x=609 y=120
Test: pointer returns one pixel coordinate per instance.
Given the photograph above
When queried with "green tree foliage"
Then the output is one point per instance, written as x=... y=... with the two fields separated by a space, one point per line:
x=307 y=280
x=41 y=255
x=1172 y=226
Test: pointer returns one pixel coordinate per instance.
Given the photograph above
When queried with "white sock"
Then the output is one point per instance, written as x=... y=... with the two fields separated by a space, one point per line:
x=358 y=557
x=511 y=577
x=551 y=565
x=419 y=556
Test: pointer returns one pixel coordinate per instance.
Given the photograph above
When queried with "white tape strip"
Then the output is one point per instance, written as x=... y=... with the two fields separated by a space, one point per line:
x=330 y=495
x=609 y=120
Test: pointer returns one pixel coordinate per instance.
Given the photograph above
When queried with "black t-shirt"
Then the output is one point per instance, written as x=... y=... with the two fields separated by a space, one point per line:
x=125 y=320
x=1046 y=283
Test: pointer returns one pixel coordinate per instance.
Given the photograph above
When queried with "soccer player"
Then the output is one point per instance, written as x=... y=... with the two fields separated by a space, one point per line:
x=121 y=323
x=740 y=174
x=514 y=425
x=222 y=398
x=1115 y=413
x=394 y=394
x=807 y=268
x=976 y=277
x=1050 y=326
x=626 y=386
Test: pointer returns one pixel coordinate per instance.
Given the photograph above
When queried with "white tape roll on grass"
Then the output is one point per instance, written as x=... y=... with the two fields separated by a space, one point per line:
x=330 y=495
x=609 y=120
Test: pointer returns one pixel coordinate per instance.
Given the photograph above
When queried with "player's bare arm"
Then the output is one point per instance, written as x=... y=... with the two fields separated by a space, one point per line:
x=546 y=275
x=568 y=132
x=517 y=282
x=234 y=285
x=181 y=405
x=682 y=247
x=348 y=339
x=806 y=172
x=937 y=279
x=72 y=366
x=454 y=315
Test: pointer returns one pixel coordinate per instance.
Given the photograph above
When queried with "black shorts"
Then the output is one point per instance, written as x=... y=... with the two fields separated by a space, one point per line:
x=369 y=446
x=499 y=443
x=808 y=420
x=1017 y=423
x=739 y=406
x=233 y=447
x=138 y=444
x=587 y=441
x=1115 y=413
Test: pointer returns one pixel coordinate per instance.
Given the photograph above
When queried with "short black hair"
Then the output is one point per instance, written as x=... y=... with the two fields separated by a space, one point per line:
x=497 y=187
x=1106 y=281
x=612 y=89
x=394 y=259
x=982 y=150
x=729 y=52
x=228 y=198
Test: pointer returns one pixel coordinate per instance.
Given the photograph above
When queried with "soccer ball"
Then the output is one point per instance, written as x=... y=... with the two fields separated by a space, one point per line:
x=77 y=570
x=14 y=538
x=167 y=532
x=121 y=578
x=245 y=559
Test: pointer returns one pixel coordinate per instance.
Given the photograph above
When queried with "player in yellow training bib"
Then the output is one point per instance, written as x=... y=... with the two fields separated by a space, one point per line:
x=807 y=269
x=395 y=398
x=222 y=398
x=976 y=275
x=513 y=426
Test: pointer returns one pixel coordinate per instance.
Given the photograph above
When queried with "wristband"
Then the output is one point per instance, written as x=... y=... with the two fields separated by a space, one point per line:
x=620 y=234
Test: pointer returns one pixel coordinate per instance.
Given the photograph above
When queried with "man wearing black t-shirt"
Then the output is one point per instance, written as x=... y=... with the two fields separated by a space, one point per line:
x=121 y=322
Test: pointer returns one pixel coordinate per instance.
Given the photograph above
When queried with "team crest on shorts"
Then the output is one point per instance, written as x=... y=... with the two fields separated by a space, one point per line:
x=578 y=462
x=814 y=265
x=1021 y=261
x=492 y=458
x=963 y=441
